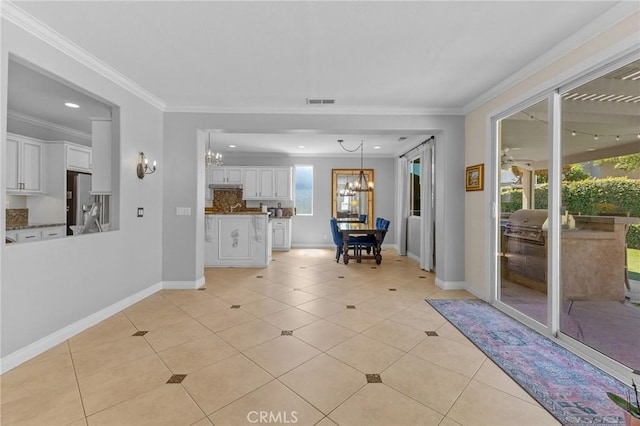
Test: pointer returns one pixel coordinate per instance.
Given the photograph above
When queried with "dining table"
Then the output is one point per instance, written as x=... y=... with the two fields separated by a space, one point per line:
x=349 y=229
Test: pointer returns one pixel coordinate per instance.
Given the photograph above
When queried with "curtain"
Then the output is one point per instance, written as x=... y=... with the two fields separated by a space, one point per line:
x=427 y=199
x=402 y=207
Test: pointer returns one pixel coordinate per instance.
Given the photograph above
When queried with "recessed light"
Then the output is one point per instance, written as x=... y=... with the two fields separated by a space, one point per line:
x=591 y=149
x=376 y=147
x=232 y=146
x=71 y=105
x=301 y=146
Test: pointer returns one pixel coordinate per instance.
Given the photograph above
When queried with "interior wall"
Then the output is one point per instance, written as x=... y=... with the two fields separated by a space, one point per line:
x=50 y=285
x=602 y=48
x=182 y=236
x=314 y=231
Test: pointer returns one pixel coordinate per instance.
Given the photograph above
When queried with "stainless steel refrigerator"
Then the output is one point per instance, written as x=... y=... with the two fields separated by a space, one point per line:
x=79 y=198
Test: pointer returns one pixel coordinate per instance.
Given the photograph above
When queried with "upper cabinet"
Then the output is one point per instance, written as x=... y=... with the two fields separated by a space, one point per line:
x=258 y=183
x=267 y=183
x=282 y=182
x=101 y=142
x=78 y=158
x=24 y=165
x=219 y=174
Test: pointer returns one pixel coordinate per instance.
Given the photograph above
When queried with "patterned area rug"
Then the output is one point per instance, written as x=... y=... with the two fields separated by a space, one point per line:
x=570 y=388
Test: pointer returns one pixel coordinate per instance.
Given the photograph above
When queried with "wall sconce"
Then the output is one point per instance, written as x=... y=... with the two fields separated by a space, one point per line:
x=143 y=166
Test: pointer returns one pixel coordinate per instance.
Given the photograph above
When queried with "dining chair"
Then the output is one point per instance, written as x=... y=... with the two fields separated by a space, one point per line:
x=338 y=239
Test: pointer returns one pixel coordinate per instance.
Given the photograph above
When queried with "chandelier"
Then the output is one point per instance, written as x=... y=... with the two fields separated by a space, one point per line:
x=212 y=158
x=361 y=183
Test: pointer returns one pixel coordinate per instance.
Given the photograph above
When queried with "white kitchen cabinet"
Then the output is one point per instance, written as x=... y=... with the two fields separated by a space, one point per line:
x=29 y=235
x=78 y=158
x=237 y=240
x=281 y=232
x=54 y=232
x=223 y=174
x=37 y=234
x=267 y=183
x=101 y=142
x=282 y=182
x=258 y=183
x=23 y=165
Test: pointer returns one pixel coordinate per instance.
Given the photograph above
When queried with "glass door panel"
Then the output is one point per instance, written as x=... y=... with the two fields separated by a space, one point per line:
x=600 y=244
x=523 y=150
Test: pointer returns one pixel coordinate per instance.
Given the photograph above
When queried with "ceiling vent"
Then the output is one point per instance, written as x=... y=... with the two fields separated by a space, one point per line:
x=320 y=101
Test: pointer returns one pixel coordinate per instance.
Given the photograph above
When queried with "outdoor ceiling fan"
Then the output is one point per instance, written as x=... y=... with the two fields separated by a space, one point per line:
x=507 y=160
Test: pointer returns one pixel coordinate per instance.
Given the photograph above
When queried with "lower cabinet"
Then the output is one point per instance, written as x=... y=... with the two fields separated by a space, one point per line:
x=37 y=234
x=237 y=240
x=281 y=234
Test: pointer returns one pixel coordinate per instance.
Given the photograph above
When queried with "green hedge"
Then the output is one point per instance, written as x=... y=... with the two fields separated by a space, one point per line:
x=589 y=197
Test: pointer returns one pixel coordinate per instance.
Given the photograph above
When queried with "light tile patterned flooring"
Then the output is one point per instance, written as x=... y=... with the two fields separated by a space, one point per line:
x=242 y=369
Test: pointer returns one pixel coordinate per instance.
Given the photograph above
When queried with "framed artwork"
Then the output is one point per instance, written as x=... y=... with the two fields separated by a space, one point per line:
x=474 y=178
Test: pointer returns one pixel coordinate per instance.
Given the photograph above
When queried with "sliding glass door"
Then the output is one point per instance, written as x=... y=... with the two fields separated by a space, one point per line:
x=522 y=240
x=568 y=235
x=599 y=284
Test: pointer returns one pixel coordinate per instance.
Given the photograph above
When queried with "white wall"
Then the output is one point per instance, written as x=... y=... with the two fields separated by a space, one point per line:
x=595 y=52
x=49 y=286
x=184 y=162
x=314 y=231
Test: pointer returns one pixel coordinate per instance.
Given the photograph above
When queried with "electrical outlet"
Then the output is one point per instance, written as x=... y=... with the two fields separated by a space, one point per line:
x=140 y=211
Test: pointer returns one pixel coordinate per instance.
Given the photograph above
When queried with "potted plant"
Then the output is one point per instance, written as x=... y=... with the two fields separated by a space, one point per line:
x=631 y=411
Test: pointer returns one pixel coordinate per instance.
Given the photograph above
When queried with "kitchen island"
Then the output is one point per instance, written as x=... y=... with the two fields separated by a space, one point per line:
x=237 y=240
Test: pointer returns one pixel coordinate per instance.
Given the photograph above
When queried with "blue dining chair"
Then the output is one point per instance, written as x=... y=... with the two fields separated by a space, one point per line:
x=338 y=238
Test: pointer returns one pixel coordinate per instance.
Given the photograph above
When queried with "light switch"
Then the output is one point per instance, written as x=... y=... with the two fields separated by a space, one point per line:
x=183 y=211
x=140 y=211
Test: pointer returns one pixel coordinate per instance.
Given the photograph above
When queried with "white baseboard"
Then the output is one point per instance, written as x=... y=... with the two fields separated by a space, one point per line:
x=30 y=351
x=314 y=246
x=413 y=257
x=183 y=285
x=477 y=293
x=451 y=285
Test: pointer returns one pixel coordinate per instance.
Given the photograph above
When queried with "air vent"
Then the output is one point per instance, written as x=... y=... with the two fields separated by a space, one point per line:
x=320 y=101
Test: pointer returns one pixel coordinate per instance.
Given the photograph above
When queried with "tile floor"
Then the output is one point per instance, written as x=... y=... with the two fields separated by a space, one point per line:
x=275 y=345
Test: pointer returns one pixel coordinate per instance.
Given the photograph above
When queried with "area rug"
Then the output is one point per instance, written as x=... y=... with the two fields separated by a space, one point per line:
x=571 y=389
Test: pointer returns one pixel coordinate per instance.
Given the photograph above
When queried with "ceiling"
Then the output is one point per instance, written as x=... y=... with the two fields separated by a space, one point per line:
x=391 y=57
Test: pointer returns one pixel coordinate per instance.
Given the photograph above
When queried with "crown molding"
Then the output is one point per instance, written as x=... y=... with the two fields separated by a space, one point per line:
x=612 y=16
x=315 y=110
x=17 y=16
x=48 y=125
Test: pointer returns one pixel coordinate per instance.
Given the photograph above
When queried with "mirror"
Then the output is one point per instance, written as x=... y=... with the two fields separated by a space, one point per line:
x=351 y=205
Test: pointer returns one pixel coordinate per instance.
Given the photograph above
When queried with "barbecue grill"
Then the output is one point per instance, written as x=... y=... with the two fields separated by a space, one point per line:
x=526 y=225
x=524 y=248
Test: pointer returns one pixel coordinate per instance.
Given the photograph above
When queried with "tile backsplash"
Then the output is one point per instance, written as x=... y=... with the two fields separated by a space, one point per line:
x=17 y=217
x=225 y=198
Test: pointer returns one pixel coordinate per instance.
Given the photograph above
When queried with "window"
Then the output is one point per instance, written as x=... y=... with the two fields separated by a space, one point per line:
x=414 y=188
x=304 y=190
